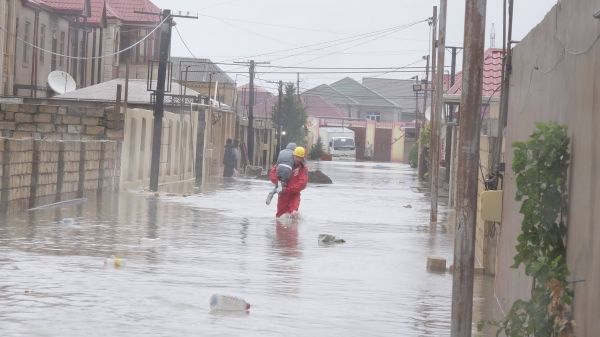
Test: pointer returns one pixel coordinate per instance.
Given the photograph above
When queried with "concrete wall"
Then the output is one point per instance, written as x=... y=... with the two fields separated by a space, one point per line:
x=178 y=147
x=401 y=145
x=50 y=119
x=556 y=76
x=38 y=172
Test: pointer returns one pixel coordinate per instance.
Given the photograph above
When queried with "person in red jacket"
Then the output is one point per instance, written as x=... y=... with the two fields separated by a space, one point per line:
x=289 y=197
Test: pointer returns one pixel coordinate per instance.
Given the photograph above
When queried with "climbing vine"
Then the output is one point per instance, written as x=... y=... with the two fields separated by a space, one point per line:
x=541 y=164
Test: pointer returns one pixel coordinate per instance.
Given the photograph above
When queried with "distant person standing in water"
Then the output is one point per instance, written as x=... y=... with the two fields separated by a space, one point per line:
x=238 y=154
x=229 y=159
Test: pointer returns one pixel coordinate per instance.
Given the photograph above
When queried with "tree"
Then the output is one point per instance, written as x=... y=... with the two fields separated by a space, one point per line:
x=316 y=150
x=293 y=117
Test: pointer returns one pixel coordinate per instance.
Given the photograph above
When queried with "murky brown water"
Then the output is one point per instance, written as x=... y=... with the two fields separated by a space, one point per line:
x=53 y=281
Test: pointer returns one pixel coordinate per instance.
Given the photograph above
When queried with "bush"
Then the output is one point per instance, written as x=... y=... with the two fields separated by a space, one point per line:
x=316 y=150
x=413 y=157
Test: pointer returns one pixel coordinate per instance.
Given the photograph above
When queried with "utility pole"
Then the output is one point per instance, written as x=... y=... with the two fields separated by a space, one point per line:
x=298 y=85
x=421 y=119
x=467 y=173
x=433 y=70
x=436 y=115
x=506 y=72
x=453 y=66
x=159 y=107
x=279 y=115
x=250 y=132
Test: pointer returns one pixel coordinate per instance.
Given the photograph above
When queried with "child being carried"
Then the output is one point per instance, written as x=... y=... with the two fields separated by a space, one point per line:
x=285 y=164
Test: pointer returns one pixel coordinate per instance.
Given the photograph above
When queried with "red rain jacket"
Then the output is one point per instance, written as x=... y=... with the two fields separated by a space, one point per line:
x=289 y=199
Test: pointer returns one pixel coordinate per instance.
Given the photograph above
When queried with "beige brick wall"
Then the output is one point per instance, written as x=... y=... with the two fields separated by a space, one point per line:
x=52 y=119
x=18 y=170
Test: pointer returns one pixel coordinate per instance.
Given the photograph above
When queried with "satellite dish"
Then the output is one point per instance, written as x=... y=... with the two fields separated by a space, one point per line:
x=61 y=82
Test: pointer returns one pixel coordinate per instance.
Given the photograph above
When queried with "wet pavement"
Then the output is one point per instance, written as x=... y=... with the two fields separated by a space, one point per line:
x=224 y=239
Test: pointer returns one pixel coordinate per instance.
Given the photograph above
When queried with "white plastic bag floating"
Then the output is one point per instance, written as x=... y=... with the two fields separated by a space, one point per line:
x=228 y=303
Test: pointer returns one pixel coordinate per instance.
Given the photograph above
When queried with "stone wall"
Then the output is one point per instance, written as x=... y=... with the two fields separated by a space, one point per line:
x=56 y=120
x=39 y=172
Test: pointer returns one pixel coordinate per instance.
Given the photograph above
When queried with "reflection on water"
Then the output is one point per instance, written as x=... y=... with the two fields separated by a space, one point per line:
x=177 y=251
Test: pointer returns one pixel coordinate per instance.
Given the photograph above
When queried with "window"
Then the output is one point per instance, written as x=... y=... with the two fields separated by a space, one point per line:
x=374 y=116
x=25 y=42
x=42 y=42
x=61 y=62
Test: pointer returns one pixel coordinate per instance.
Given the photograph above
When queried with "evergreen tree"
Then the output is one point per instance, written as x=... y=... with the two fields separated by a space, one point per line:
x=293 y=117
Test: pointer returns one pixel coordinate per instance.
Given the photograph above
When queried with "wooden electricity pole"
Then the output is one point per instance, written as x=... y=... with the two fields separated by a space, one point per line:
x=467 y=172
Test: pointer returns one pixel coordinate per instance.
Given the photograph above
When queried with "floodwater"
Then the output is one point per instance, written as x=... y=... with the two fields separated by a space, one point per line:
x=225 y=240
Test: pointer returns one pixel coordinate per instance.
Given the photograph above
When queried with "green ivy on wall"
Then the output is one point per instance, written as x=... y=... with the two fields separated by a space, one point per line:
x=541 y=164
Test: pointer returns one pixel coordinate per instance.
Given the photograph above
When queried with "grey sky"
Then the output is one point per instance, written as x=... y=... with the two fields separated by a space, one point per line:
x=235 y=29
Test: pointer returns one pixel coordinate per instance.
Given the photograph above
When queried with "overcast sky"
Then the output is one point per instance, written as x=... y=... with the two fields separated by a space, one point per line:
x=238 y=29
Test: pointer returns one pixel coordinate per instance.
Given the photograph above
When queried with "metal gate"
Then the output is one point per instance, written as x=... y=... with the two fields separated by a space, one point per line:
x=360 y=134
x=383 y=145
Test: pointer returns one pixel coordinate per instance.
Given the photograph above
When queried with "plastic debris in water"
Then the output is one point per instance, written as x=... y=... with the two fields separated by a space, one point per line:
x=113 y=261
x=228 y=303
x=328 y=238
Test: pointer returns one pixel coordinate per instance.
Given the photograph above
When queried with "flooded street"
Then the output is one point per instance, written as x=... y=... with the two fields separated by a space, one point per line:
x=225 y=240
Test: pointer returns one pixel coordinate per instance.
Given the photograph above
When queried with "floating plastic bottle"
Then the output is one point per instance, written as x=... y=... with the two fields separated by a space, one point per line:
x=228 y=303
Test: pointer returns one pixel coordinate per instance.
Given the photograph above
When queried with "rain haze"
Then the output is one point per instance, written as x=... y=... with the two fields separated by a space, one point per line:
x=237 y=30
x=138 y=199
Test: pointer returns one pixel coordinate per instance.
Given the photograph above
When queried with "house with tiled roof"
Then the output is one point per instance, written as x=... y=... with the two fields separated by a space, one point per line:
x=80 y=37
x=357 y=100
x=263 y=102
x=318 y=107
x=204 y=76
x=490 y=92
x=398 y=91
x=370 y=104
x=46 y=24
x=124 y=27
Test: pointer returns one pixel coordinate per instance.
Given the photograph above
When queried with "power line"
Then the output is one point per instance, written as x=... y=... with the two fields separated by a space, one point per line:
x=183 y=41
x=315 y=72
x=408 y=66
x=91 y=57
x=351 y=38
x=364 y=42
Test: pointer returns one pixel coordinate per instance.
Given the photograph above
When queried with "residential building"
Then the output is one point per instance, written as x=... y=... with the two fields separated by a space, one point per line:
x=81 y=37
x=264 y=129
x=48 y=25
x=399 y=92
x=358 y=100
x=334 y=97
x=205 y=77
x=8 y=22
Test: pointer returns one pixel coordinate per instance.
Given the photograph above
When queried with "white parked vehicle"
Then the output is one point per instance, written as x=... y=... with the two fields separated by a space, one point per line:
x=338 y=142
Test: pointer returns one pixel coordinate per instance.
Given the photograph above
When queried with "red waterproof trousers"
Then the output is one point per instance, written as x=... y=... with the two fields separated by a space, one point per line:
x=289 y=199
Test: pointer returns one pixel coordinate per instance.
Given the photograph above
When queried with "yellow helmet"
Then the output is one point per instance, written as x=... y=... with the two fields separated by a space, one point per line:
x=299 y=152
